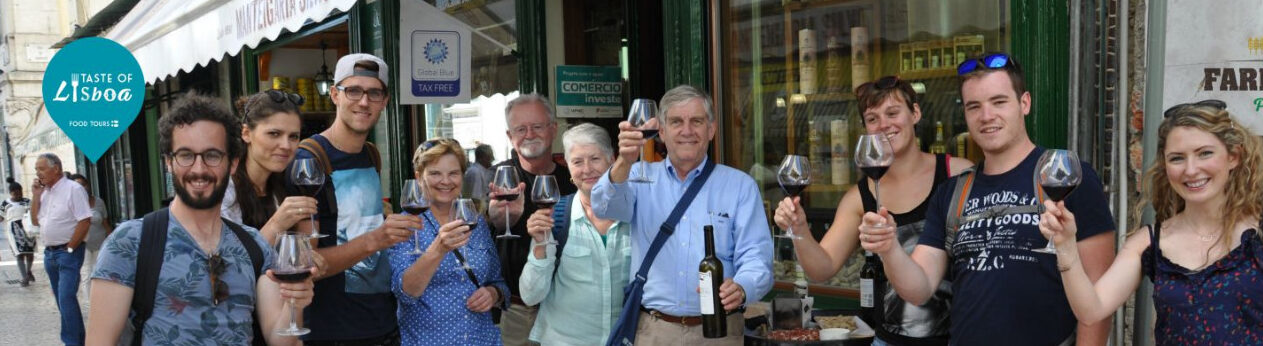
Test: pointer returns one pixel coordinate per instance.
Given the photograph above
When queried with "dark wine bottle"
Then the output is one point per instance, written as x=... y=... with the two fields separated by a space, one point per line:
x=710 y=274
x=872 y=289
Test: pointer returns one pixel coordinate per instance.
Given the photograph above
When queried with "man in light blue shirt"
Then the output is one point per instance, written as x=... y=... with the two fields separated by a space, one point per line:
x=730 y=201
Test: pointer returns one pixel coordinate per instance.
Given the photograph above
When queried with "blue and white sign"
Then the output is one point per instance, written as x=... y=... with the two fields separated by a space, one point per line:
x=93 y=89
x=436 y=60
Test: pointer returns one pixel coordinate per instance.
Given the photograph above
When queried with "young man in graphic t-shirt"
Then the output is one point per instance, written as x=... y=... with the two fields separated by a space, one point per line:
x=1004 y=292
x=353 y=304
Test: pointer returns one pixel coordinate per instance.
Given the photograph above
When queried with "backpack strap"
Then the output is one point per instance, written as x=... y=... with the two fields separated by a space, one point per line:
x=318 y=152
x=252 y=247
x=374 y=155
x=668 y=227
x=153 y=243
x=561 y=227
x=956 y=206
x=256 y=260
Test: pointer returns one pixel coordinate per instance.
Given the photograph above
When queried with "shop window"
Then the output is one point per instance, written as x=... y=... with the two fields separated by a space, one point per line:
x=495 y=78
x=789 y=69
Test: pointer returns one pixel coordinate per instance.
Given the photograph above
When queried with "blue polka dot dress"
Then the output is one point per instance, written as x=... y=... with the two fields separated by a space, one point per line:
x=439 y=315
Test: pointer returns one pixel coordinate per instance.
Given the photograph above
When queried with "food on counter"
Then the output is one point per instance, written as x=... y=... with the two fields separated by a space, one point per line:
x=827 y=322
x=795 y=335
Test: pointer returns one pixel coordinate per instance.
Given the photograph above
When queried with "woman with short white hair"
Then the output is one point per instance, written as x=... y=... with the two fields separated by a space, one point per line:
x=581 y=301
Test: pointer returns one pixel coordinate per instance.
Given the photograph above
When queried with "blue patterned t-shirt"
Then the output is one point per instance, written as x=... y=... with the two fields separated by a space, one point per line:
x=183 y=313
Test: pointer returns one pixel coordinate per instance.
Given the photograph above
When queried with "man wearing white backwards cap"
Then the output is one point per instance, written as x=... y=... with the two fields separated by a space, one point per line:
x=353 y=304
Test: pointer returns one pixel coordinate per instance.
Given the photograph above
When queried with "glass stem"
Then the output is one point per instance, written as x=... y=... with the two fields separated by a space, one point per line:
x=293 y=315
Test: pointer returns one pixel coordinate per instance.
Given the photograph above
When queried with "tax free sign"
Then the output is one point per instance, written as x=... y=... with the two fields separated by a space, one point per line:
x=589 y=92
x=435 y=54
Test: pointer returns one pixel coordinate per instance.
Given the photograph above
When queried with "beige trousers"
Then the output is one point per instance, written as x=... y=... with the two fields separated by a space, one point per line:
x=653 y=331
x=516 y=323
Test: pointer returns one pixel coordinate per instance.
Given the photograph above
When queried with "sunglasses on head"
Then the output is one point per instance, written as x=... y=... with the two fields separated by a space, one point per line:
x=1176 y=109
x=427 y=145
x=988 y=62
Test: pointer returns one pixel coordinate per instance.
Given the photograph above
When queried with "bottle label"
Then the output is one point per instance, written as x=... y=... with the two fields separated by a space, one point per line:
x=708 y=302
x=866 y=293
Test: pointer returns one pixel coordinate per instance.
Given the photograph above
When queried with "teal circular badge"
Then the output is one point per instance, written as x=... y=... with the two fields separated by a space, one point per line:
x=93 y=89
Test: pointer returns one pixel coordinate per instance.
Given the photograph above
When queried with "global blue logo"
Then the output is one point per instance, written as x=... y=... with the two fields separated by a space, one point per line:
x=435 y=51
x=93 y=89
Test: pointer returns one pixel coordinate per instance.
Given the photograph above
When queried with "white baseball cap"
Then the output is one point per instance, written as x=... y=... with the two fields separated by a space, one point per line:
x=346 y=68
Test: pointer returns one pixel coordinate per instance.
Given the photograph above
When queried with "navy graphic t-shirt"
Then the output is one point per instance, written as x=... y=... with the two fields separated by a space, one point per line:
x=356 y=303
x=1005 y=293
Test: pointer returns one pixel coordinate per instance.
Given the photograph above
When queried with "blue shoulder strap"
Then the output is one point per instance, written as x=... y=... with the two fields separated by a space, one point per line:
x=561 y=227
x=668 y=226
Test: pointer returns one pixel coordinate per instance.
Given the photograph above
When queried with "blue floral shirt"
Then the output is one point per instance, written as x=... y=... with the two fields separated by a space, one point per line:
x=439 y=316
x=183 y=313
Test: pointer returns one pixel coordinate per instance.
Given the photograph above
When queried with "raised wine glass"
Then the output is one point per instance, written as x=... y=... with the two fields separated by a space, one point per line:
x=1058 y=172
x=506 y=179
x=413 y=201
x=309 y=178
x=293 y=264
x=464 y=210
x=545 y=194
x=794 y=176
x=640 y=116
x=874 y=155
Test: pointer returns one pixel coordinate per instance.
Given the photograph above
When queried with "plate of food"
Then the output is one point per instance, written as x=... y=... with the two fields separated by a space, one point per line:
x=831 y=327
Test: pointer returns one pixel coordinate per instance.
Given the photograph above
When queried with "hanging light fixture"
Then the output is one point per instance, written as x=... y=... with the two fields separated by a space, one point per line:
x=324 y=79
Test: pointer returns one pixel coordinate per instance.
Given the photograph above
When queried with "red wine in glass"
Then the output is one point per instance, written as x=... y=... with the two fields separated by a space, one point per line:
x=649 y=134
x=309 y=190
x=875 y=172
x=1057 y=193
x=546 y=204
x=793 y=190
x=293 y=277
x=415 y=209
x=506 y=197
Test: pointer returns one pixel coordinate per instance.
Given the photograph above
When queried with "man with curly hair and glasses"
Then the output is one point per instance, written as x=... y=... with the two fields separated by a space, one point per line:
x=211 y=282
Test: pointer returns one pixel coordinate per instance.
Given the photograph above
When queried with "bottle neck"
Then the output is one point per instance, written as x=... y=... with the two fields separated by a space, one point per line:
x=710 y=241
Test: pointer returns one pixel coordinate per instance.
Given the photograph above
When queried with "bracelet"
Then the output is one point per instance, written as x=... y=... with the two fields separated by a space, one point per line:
x=1067 y=267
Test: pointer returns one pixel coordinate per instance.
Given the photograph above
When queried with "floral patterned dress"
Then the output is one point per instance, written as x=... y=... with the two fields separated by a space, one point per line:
x=1221 y=304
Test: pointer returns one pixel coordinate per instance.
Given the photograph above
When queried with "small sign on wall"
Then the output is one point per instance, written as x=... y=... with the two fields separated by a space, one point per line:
x=589 y=92
x=434 y=54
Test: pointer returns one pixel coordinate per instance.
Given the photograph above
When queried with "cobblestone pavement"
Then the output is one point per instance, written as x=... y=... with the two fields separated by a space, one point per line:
x=28 y=315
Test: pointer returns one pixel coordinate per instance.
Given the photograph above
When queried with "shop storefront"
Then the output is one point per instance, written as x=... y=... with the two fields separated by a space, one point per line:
x=781 y=73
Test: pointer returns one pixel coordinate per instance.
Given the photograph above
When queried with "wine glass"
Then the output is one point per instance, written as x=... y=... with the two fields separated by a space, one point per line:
x=308 y=177
x=413 y=201
x=293 y=264
x=506 y=179
x=463 y=209
x=545 y=194
x=794 y=176
x=1058 y=172
x=642 y=111
x=874 y=155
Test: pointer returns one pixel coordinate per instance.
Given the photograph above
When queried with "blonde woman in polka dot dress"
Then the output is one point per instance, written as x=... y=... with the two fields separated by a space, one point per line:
x=439 y=302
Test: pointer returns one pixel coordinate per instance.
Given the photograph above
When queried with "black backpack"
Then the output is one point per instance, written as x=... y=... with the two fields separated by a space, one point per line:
x=153 y=243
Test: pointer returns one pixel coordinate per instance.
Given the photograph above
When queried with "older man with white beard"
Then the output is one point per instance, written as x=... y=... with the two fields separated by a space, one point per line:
x=532 y=127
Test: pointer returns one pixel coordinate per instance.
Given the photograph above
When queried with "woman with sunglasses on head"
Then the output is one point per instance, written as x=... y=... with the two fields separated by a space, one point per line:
x=1204 y=253
x=887 y=106
x=446 y=292
x=256 y=194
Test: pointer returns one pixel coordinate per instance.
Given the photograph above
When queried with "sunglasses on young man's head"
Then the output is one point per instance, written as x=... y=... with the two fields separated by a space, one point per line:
x=433 y=142
x=1176 y=109
x=988 y=62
